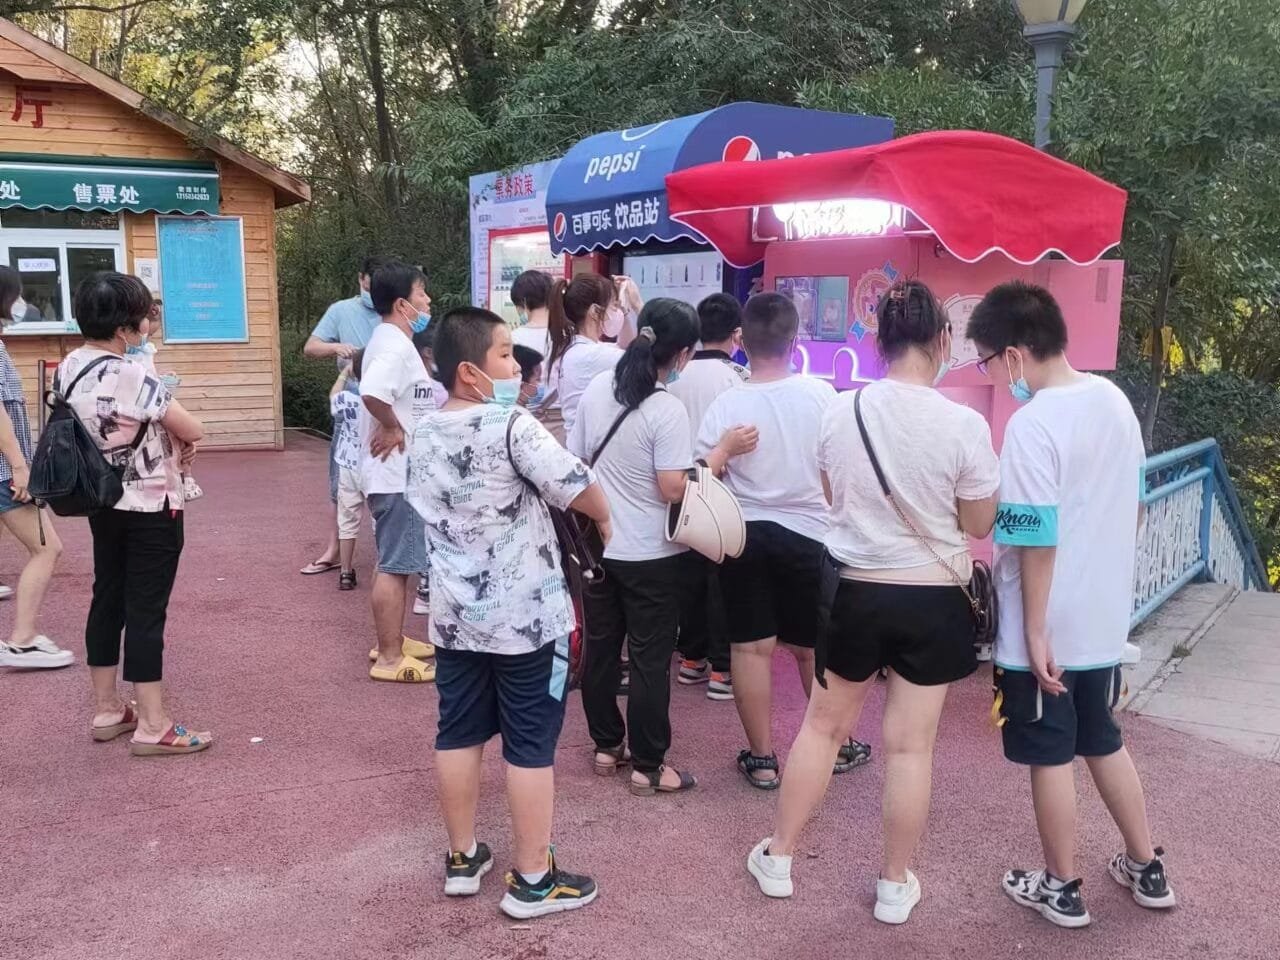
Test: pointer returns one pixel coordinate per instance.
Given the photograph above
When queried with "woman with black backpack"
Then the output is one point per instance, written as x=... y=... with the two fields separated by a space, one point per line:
x=26 y=647
x=147 y=437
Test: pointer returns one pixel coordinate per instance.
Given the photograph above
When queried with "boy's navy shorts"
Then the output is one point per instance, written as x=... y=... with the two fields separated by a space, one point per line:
x=520 y=696
x=1046 y=730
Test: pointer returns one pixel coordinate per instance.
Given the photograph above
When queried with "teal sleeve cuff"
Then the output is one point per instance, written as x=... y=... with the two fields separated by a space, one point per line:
x=1024 y=525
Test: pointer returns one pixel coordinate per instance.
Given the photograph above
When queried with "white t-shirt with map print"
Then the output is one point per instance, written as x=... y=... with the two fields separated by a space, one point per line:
x=496 y=581
x=345 y=405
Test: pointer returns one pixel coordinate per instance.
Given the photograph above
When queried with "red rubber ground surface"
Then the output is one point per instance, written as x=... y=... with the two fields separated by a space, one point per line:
x=323 y=840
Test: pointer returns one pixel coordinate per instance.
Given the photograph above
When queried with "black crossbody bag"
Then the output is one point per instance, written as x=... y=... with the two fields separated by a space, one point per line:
x=581 y=546
x=980 y=590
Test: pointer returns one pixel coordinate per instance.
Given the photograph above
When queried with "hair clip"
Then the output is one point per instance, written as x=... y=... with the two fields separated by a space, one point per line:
x=646 y=333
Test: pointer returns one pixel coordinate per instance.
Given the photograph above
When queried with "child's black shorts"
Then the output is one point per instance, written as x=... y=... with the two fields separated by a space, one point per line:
x=772 y=589
x=520 y=696
x=1047 y=730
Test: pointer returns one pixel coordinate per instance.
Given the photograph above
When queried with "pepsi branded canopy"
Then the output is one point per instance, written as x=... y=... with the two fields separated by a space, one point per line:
x=611 y=188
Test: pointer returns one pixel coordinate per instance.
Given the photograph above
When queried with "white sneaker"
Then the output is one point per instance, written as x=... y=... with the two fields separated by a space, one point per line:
x=41 y=654
x=190 y=489
x=1132 y=653
x=6 y=591
x=895 y=900
x=772 y=873
x=422 y=600
x=984 y=653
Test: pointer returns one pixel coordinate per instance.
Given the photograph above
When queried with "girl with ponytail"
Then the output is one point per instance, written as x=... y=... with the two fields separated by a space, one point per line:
x=637 y=436
x=581 y=312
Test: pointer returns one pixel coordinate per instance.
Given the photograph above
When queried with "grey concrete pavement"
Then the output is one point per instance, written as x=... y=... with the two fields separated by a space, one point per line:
x=1226 y=688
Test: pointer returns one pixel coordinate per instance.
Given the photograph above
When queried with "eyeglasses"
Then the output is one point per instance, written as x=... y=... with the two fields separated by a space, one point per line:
x=982 y=364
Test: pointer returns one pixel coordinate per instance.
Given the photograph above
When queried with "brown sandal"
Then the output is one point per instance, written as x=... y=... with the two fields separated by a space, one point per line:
x=654 y=784
x=176 y=740
x=621 y=757
x=127 y=723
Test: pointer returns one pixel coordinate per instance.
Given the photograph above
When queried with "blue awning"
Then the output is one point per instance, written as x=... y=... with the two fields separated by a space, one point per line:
x=610 y=188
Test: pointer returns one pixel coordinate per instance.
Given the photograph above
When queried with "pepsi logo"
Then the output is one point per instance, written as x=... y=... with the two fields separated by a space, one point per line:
x=741 y=148
x=558 y=226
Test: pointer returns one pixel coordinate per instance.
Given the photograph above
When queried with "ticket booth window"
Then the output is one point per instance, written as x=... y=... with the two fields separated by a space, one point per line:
x=53 y=250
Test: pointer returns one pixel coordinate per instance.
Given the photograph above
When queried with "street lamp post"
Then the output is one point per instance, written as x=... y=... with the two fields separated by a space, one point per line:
x=1048 y=26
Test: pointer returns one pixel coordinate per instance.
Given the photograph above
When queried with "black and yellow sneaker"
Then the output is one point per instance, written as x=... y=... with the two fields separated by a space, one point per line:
x=462 y=873
x=556 y=892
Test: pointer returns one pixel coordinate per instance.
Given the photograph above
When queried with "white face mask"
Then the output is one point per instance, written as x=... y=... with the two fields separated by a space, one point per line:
x=18 y=310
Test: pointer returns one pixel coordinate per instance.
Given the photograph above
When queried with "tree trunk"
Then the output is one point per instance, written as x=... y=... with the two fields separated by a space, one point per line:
x=1159 y=317
x=382 y=115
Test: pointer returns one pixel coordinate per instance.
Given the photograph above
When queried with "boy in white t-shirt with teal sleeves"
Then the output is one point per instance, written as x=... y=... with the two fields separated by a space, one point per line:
x=1066 y=539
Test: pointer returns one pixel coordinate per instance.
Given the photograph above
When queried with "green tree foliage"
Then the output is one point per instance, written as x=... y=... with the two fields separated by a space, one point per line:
x=388 y=106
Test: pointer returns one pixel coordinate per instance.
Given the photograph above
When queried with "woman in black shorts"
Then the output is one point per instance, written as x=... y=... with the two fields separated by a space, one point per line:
x=890 y=598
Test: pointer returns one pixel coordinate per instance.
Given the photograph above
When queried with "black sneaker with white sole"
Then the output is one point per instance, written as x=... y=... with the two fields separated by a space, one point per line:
x=1148 y=882
x=462 y=873
x=1061 y=905
x=554 y=893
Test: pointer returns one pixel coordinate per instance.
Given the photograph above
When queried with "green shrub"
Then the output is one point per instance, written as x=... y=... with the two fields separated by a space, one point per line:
x=306 y=384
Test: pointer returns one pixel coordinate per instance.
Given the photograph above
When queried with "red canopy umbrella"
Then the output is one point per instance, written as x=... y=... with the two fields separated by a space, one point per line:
x=977 y=192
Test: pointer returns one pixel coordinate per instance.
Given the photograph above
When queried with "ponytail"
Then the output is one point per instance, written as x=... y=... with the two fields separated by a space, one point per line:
x=567 y=306
x=559 y=330
x=667 y=327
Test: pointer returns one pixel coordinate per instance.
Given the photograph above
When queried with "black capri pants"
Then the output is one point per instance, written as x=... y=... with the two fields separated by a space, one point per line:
x=135 y=560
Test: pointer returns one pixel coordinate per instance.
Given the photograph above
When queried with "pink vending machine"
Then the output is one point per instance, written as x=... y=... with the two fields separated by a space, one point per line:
x=960 y=210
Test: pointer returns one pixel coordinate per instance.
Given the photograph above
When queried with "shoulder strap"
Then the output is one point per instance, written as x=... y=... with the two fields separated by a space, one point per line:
x=866 y=442
x=609 y=436
x=884 y=485
x=511 y=422
x=81 y=375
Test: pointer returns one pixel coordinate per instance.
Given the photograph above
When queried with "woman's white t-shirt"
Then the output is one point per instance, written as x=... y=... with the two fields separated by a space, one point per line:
x=653 y=437
x=581 y=363
x=535 y=338
x=932 y=451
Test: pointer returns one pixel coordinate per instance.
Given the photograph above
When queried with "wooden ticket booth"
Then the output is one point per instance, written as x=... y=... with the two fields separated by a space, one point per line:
x=93 y=177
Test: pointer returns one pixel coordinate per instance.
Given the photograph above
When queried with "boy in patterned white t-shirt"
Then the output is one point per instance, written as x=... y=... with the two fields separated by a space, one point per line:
x=482 y=473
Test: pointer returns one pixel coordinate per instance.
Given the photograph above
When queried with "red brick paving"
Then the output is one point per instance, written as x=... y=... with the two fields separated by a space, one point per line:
x=323 y=840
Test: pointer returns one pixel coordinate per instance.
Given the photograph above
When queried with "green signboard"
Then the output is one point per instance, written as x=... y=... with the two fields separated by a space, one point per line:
x=72 y=186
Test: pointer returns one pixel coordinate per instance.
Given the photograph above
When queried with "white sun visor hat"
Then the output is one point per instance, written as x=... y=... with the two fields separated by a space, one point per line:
x=708 y=519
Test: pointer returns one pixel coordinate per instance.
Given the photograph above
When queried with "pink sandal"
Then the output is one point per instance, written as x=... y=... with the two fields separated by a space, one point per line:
x=176 y=740
x=127 y=723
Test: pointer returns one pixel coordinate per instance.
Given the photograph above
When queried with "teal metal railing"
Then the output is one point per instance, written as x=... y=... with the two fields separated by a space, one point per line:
x=1194 y=530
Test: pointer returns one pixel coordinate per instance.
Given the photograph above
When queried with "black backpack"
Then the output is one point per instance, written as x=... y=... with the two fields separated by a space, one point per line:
x=69 y=471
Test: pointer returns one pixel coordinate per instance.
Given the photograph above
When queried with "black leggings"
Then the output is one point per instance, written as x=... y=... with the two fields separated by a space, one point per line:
x=637 y=601
x=135 y=559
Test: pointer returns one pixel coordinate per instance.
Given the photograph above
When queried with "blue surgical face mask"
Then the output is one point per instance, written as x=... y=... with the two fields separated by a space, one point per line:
x=538 y=397
x=506 y=393
x=419 y=323
x=366 y=299
x=522 y=317
x=138 y=349
x=1019 y=389
x=672 y=376
x=943 y=369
